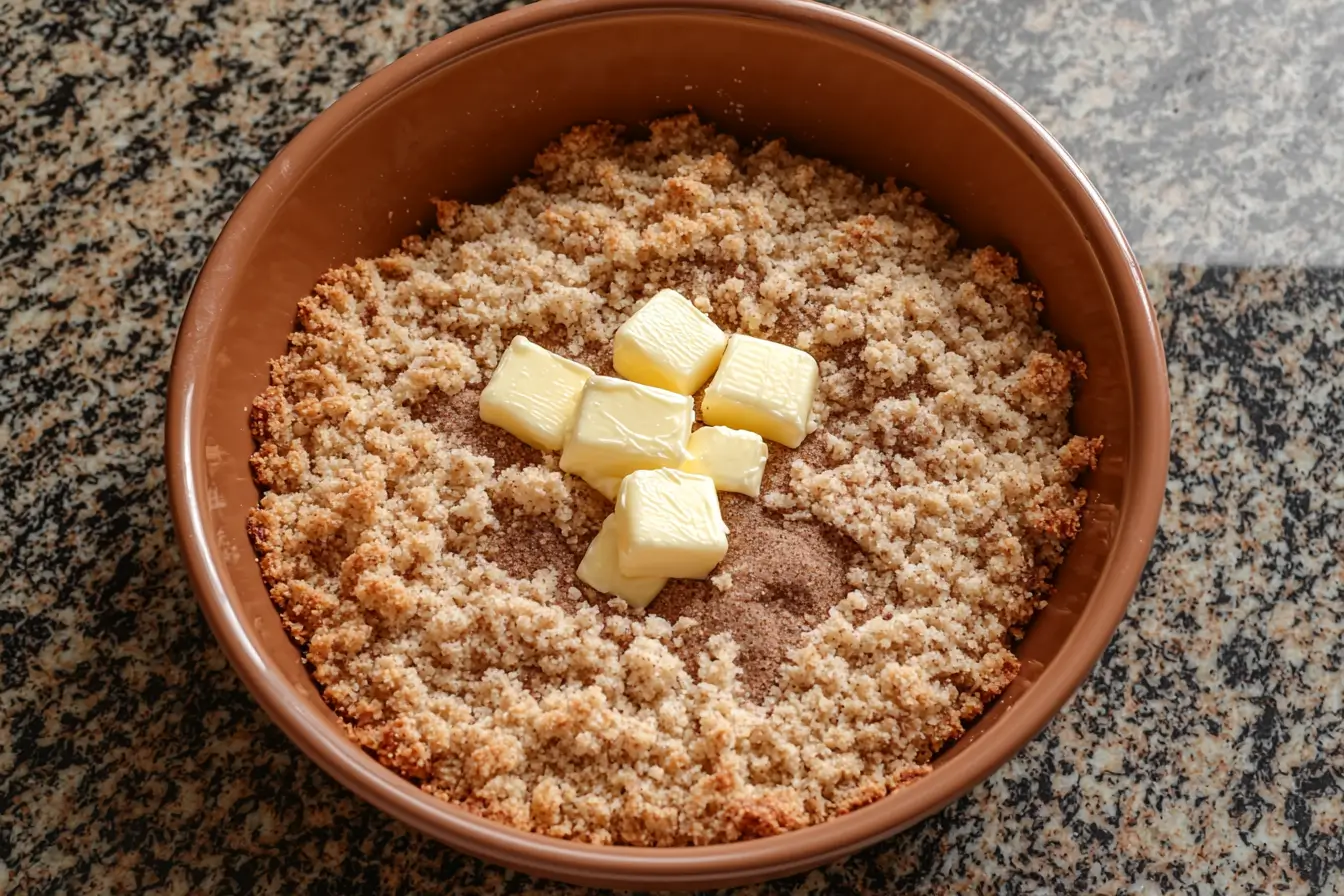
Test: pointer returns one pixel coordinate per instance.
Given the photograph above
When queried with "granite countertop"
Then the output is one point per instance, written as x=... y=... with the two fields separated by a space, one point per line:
x=1204 y=754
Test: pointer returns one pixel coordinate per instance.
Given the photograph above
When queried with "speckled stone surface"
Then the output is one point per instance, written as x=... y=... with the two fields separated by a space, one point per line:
x=1203 y=756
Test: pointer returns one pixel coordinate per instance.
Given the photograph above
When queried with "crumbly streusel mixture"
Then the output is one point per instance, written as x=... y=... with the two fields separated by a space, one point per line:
x=426 y=560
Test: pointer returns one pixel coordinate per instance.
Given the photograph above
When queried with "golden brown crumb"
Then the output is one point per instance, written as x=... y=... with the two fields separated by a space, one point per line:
x=866 y=609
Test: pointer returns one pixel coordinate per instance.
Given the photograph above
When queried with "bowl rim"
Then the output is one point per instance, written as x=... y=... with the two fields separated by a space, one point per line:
x=744 y=861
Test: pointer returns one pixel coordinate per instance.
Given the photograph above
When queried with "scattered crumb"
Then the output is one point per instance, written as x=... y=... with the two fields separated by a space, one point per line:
x=867 y=606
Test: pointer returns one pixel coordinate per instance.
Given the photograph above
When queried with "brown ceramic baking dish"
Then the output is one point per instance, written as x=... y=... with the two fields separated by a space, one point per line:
x=464 y=115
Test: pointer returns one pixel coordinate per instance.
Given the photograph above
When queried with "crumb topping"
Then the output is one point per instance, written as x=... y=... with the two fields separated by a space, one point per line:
x=867 y=606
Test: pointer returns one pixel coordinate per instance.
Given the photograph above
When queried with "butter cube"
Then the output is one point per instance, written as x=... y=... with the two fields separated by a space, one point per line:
x=764 y=387
x=534 y=394
x=669 y=343
x=607 y=486
x=600 y=569
x=733 y=458
x=621 y=427
x=668 y=524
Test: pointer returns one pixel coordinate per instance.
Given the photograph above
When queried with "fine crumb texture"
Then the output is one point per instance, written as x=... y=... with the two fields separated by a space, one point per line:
x=867 y=606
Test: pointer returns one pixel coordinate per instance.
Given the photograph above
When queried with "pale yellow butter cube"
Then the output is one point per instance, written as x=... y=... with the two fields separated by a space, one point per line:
x=764 y=387
x=668 y=343
x=668 y=524
x=600 y=569
x=621 y=427
x=534 y=394
x=607 y=486
x=733 y=458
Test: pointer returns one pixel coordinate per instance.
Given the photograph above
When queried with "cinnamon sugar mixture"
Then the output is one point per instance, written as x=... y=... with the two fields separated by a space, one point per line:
x=866 y=607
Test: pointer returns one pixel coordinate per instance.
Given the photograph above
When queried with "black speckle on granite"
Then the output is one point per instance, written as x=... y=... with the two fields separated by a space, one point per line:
x=1204 y=755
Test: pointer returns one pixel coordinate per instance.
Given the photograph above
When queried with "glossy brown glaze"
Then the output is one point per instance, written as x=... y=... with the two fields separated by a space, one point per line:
x=464 y=115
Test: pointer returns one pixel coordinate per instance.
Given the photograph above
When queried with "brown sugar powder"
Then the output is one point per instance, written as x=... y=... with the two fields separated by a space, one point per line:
x=866 y=609
x=779 y=578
